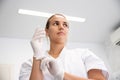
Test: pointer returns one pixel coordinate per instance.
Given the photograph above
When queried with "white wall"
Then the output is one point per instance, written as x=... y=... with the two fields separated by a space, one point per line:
x=113 y=54
x=114 y=57
x=15 y=51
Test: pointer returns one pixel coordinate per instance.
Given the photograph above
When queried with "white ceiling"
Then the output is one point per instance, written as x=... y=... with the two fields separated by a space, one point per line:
x=102 y=17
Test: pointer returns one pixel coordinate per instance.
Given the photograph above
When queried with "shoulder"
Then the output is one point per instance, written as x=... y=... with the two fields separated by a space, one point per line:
x=77 y=53
x=25 y=70
x=26 y=65
x=28 y=62
x=80 y=51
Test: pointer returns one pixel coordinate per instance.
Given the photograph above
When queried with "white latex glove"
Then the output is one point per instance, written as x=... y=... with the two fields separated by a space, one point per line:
x=55 y=70
x=37 y=43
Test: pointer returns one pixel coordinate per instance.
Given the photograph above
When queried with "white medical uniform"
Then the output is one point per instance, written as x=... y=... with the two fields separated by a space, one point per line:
x=74 y=61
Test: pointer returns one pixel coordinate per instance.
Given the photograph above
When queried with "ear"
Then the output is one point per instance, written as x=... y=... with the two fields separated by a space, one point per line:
x=46 y=30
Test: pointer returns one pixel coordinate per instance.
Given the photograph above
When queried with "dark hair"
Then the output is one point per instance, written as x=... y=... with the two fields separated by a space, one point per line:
x=48 y=21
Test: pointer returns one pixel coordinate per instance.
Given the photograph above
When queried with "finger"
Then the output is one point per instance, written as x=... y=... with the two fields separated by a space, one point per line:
x=39 y=38
x=39 y=29
x=48 y=60
x=44 y=64
x=39 y=33
x=48 y=66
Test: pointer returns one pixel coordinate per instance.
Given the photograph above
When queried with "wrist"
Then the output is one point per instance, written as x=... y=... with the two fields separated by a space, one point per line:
x=39 y=56
x=36 y=60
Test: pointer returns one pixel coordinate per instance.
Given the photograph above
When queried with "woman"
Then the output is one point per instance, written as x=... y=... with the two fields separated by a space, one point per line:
x=59 y=63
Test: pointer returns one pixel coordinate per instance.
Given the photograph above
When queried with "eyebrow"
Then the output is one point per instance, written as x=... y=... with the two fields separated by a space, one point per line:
x=59 y=21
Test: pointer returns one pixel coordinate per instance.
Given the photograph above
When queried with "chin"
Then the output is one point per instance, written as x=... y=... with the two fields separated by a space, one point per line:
x=61 y=41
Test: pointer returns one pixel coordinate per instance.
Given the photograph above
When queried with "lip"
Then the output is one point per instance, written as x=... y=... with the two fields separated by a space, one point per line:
x=61 y=33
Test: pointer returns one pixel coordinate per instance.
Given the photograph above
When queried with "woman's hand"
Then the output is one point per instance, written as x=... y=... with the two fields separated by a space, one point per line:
x=55 y=70
x=37 y=43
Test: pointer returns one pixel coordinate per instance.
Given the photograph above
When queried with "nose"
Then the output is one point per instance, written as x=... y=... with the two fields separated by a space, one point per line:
x=61 y=27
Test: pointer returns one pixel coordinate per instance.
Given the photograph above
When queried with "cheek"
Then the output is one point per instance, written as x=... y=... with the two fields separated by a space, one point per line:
x=51 y=32
x=67 y=31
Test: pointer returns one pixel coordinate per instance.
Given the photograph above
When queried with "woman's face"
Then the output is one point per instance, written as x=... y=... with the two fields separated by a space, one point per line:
x=58 y=29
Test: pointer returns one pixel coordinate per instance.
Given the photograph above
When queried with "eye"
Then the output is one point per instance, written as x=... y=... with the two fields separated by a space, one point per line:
x=56 y=23
x=66 y=25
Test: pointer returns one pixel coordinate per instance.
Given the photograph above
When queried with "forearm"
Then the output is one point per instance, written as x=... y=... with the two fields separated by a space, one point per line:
x=68 y=76
x=92 y=75
x=96 y=74
x=36 y=73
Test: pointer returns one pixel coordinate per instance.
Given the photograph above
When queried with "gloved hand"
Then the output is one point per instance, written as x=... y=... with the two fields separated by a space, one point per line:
x=55 y=70
x=37 y=43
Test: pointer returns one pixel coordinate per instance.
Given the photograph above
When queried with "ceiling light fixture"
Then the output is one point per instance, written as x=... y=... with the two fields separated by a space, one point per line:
x=43 y=14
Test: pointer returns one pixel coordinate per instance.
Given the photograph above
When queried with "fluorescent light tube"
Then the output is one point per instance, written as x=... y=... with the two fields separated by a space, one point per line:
x=43 y=14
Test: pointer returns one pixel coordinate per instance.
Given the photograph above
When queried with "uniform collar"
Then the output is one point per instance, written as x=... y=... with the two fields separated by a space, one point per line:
x=62 y=53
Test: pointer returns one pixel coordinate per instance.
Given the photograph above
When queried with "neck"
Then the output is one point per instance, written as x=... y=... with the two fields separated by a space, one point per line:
x=55 y=49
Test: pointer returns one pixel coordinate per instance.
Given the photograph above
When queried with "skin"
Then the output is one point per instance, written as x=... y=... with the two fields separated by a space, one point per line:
x=58 y=33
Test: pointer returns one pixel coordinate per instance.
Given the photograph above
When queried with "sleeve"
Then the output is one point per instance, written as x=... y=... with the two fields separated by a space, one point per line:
x=91 y=61
x=25 y=70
